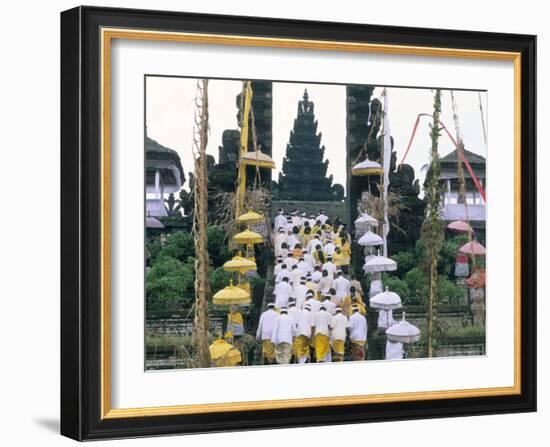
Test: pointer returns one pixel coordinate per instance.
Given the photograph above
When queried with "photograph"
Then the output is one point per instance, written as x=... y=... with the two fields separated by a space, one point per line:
x=292 y=223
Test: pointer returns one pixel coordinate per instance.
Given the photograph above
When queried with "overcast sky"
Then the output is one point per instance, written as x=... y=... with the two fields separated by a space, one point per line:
x=170 y=108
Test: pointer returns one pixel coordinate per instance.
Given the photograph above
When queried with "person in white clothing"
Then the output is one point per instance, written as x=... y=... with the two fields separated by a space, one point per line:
x=265 y=332
x=304 y=266
x=283 y=273
x=309 y=259
x=341 y=285
x=280 y=220
x=338 y=325
x=278 y=265
x=280 y=239
x=295 y=275
x=357 y=334
x=290 y=260
x=328 y=304
x=325 y=283
x=322 y=217
x=329 y=247
x=282 y=337
x=310 y=301
x=330 y=267
x=304 y=333
x=299 y=292
x=293 y=310
x=312 y=244
x=321 y=320
x=292 y=239
x=282 y=292
x=317 y=274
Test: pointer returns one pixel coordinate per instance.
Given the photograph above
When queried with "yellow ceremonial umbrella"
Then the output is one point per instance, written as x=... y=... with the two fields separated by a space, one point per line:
x=231 y=295
x=239 y=264
x=367 y=167
x=223 y=354
x=258 y=158
x=250 y=218
x=248 y=237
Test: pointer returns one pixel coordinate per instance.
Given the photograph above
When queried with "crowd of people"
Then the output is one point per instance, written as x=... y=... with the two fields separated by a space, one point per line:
x=318 y=312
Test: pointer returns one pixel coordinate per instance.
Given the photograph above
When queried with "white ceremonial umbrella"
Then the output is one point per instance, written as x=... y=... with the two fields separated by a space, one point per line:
x=151 y=222
x=363 y=223
x=403 y=332
x=386 y=300
x=379 y=264
x=370 y=239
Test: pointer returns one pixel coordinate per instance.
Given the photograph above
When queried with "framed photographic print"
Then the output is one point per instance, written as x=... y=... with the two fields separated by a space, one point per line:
x=276 y=223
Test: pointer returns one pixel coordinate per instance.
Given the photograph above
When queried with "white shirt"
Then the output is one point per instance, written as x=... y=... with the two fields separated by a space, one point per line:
x=305 y=267
x=266 y=324
x=279 y=240
x=312 y=244
x=295 y=276
x=310 y=260
x=304 y=323
x=297 y=221
x=322 y=217
x=329 y=248
x=321 y=321
x=282 y=292
x=293 y=314
x=314 y=304
x=357 y=327
x=280 y=222
x=329 y=306
x=316 y=275
x=282 y=273
x=292 y=240
x=341 y=285
x=278 y=268
x=325 y=284
x=290 y=261
x=299 y=294
x=338 y=325
x=283 y=330
x=330 y=267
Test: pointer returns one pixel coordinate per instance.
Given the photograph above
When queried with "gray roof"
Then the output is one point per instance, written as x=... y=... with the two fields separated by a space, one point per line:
x=470 y=156
x=156 y=151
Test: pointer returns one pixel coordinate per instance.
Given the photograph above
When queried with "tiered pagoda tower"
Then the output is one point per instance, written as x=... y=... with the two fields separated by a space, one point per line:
x=304 y=170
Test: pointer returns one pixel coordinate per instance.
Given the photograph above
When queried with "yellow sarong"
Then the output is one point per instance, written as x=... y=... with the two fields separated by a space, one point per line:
x=322 y=346
x=301 y=346
x=268 y=350
x=338 y=347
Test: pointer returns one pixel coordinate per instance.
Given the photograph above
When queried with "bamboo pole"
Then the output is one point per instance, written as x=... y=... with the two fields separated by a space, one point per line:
x=432 y=228
x=200 y=223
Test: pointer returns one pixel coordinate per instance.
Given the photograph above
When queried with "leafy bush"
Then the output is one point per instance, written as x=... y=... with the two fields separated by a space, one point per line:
x=170 y=283
x=450 y=293
x=417 y=283
x=394 y=284
x=179 y=245
x=405 y=262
